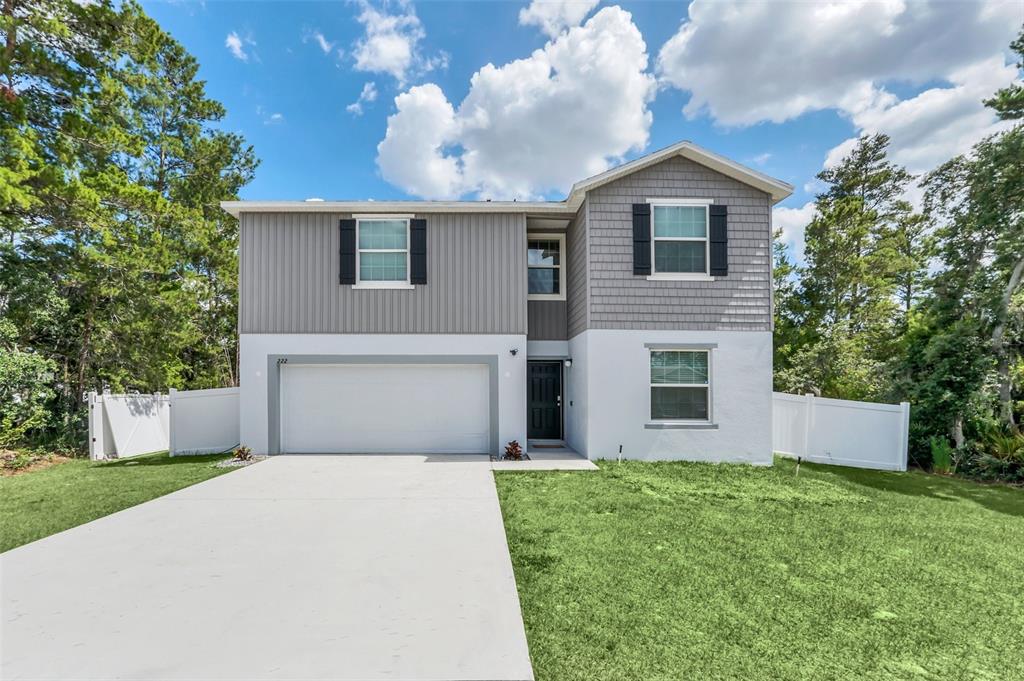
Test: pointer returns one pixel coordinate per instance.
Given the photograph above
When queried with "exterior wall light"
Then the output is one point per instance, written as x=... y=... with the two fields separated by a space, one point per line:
x=568 y=364
x=514 y=351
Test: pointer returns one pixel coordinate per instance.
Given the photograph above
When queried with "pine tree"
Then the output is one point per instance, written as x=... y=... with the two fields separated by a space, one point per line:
x=866 y=255
x=119 y=266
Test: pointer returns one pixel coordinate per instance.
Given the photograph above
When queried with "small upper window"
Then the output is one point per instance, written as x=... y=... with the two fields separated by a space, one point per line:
x=383 y=251
x=680 y=388
x=680 y=239
x=545 y=266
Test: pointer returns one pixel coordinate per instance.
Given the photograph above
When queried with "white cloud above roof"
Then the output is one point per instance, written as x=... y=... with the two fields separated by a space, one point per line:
x=391 y=42
x=533 y=125
x=745 y=62
x=938 y=123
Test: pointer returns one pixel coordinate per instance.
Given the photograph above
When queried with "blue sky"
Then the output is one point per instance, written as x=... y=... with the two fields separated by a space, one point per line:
x=760 y=92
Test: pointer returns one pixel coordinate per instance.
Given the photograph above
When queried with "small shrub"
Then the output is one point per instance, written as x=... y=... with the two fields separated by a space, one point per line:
x=996 y=455
x=242 y=453
x=942 y=456
x=1005 y=444
x=16 y=460
x=513 y=451
x=995 y=469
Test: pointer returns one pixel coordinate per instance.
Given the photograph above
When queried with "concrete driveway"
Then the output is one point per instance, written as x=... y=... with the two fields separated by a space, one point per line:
x=298 y=567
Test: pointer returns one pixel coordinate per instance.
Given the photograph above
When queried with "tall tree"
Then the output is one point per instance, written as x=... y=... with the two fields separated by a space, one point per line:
x=116 y=168
x=865 y=261
x=1008 y=103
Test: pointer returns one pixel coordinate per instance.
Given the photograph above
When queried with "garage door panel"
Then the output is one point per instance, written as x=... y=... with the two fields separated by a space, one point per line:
x=385 y=408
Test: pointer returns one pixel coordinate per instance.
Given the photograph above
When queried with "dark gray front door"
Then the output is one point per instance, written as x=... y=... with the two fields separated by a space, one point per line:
x=545 y=401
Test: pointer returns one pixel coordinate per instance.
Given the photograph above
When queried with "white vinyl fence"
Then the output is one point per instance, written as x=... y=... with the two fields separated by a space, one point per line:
x=127 y=425
x=203 y=421
x=184 y=422
x=842 y=432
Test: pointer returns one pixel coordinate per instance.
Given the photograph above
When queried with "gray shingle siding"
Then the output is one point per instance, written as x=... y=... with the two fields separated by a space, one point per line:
x=620 y=300
x=288 y=279
x=576 y=262
x=289 y=266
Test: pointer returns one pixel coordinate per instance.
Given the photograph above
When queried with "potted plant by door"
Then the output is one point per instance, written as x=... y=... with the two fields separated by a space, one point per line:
x=514 y=452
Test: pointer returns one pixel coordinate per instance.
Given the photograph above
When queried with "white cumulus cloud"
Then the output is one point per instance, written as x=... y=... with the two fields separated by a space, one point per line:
x=366 y=96
x=937 y=124
x=551 y=16
x=793 y=222
x=533 y=125
x=391 y=42
x=748 y=62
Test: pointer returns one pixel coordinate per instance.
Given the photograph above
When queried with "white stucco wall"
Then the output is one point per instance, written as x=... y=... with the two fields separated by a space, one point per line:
x=575 y=409
x=615 y=404
x=254 y=349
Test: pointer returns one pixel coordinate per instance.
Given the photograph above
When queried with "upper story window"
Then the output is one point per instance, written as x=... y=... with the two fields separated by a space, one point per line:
x=545 y=260
x=679 y=238
x=383 y=252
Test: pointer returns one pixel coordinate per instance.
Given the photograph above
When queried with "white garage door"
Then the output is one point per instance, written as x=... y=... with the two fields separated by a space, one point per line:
x=431 y=408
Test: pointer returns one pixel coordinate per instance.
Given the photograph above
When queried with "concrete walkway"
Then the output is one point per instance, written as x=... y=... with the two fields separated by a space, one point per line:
x=298 y=567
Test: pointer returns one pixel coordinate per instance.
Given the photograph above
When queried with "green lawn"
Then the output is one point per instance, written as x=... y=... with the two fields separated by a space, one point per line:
x=39 y=503
x=694 y=571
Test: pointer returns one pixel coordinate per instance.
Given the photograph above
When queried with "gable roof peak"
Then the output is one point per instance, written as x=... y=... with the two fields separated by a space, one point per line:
x=778 y=189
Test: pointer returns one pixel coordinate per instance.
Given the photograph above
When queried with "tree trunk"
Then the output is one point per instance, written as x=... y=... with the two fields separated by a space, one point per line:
x=999 y=346
x=957 y=432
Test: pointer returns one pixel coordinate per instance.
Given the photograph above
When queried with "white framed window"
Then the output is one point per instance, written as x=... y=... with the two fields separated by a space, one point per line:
x=382 y=251
x=681 y=385
x=545 y=262
x=680 y=247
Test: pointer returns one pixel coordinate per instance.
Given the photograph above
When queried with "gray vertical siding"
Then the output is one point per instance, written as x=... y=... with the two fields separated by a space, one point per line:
x=547 y=320
x=288 y=278
x=576 y=261
x=618 y=299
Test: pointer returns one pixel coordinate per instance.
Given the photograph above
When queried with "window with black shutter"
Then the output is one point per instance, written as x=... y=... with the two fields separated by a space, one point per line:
x=688 y=239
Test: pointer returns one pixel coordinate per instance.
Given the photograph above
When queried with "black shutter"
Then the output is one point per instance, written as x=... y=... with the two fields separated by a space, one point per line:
x=719 y=241
x=347 y=270
x=641 y=238
x=417 y=251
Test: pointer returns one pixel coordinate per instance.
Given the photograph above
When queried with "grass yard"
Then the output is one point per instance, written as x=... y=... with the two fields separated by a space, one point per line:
x=39 y=503
x=695 y=571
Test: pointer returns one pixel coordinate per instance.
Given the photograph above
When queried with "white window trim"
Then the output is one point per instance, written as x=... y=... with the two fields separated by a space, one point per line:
x=709 y=385
x=683 y=276
x=561 y=266
x=384 y=284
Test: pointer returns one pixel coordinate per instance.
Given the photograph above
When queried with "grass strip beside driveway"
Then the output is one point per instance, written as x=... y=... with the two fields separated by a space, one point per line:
x=39 y=503
x=696 y=571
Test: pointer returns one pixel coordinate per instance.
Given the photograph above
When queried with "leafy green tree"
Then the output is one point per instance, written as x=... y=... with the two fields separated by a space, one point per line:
x=25 y=393
x=120 y=267
x=785 y=305
x=1008 y=102
x=978 y=203
x=866 y=257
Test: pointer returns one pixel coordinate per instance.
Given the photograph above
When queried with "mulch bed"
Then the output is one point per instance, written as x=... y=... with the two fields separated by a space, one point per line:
x=16 y=463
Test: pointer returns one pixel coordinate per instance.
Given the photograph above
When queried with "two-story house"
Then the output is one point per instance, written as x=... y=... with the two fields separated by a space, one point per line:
x=634 y=316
